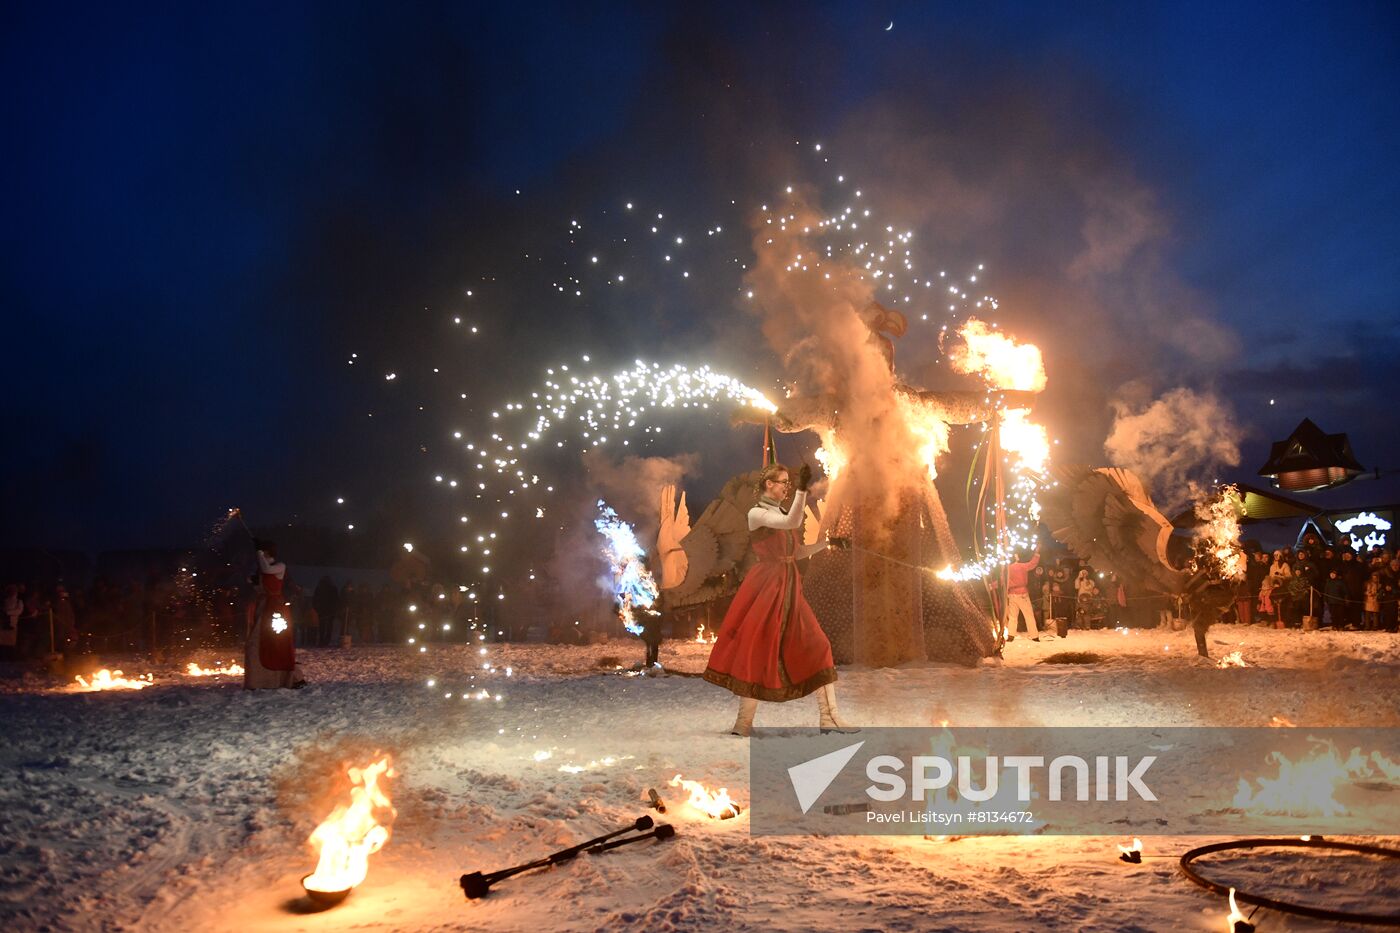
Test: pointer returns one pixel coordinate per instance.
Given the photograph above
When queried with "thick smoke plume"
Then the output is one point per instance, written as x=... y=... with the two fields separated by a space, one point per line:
x=1176 y=443
x=814 y=313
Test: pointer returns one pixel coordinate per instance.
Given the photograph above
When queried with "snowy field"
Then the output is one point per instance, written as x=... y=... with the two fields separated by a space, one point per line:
x=186 y=806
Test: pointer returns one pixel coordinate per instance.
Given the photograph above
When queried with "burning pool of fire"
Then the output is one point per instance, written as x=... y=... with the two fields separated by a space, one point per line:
x=232 y=669
x=717 y=805
x=111 y=680
x=350 y=835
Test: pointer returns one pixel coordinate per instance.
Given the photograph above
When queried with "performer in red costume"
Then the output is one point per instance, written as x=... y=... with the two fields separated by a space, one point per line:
x=270 y=655
x=770 y=645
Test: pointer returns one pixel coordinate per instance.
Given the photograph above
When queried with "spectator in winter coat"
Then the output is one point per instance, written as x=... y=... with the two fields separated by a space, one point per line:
x=326 y=600
x=1353 y=575
x=1335 y=593
x=9 y=622
x=1371 y=608
x=1084 y=590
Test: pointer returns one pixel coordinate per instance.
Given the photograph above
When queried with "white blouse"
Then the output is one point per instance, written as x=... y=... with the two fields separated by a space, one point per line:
x=769 y=514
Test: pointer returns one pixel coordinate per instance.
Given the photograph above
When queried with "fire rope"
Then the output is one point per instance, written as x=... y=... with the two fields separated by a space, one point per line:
x=1302 y=910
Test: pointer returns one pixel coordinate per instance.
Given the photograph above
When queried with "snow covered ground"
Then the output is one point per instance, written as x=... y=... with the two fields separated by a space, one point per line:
x=186 y=806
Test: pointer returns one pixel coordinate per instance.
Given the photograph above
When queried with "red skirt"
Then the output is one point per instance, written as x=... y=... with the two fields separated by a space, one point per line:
x=276 y=650
x=770 y=645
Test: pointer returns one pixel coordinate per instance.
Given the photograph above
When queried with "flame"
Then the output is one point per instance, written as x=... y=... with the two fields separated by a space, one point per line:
x=1235 y=915
x=1221 y=532
x=714 y=804
x=830 y=456
x=279 y=624
x=1282 y=722
x=1000 y=360
x=1306 y=787
x=232 y=670
x=112 y=680
x=701 y=639
x=1233 y=659
x=350 y=835
x=930 y=432
x=1025 y=439
x=632 y=584
x=1135 y=847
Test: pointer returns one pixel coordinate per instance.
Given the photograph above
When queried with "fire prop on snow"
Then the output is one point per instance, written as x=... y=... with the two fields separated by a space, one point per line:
x=350 y=835
x=632 y=584
x=1233 y=659
x=1307 y=787
x=112 y=680
x=233 y=669
x=1132 y=853
x=717 y=805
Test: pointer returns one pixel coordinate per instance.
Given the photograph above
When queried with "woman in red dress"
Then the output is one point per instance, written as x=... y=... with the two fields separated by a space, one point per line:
x=270 y=654
x=770 y=645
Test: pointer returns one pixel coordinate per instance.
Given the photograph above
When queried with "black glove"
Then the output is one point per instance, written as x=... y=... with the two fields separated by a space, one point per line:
x=804 y=478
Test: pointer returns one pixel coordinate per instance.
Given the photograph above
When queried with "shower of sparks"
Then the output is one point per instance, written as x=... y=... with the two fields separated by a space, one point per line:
x=504 y=465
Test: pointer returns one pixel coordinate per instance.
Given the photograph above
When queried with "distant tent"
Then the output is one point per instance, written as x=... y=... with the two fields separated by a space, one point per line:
x=1310 y=458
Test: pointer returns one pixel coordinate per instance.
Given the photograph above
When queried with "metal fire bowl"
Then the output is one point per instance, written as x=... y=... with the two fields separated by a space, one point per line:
x=324 y=898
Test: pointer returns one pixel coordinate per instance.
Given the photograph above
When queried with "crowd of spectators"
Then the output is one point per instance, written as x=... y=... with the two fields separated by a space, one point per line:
x=1335 y=587
x=171 y=612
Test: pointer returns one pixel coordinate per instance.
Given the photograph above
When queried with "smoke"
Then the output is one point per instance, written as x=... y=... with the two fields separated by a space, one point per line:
x=1175 y=442
x=578 y=569
x=632 y=486
x=818 y=315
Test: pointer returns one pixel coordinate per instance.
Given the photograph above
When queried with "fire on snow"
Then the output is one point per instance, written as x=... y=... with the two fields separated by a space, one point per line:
x=350 y=835
x=232 y=669
x=717 y=805
x=112 y=680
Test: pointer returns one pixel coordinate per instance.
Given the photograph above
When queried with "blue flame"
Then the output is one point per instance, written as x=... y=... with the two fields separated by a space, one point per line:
x=633 y=585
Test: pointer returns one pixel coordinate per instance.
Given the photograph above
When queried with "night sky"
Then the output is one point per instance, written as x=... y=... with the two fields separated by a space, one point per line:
x=209 y=210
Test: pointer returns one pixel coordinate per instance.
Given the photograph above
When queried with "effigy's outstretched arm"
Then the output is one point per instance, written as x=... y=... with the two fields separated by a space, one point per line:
x=808 y=413
x=965 y=407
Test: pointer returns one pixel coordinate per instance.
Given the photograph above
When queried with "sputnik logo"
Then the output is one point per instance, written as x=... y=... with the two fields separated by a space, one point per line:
x=811 y=778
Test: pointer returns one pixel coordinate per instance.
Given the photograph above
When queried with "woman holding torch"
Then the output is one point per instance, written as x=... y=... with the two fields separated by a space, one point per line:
x=770 y=645
x=270 y=654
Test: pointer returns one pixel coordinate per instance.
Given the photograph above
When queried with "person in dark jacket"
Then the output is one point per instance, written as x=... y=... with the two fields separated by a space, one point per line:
x=1335 y=593
x=326 y=600
x=1353 y=576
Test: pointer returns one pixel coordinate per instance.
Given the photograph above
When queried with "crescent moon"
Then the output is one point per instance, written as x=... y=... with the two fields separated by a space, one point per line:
x=890 y=26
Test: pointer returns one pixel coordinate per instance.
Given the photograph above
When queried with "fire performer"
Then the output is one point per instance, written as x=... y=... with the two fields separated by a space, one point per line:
x=269 y=652
x=770 y=645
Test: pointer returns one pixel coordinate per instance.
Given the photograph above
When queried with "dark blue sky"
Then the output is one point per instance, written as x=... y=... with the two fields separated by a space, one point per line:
x=208 y=210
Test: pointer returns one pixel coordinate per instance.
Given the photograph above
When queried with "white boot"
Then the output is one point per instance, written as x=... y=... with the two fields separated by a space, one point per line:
x=830 y=716
x=744 y=724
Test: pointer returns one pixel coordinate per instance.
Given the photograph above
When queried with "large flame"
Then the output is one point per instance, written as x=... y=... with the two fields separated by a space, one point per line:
x=1000 y=360
x=1307 y=787
x=350 y=835
x=830 y=456
x=1025 y=440
x=714 y=804
x=112 y=680
x=1220 y=532
x=930 y=432
x=632 y=584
